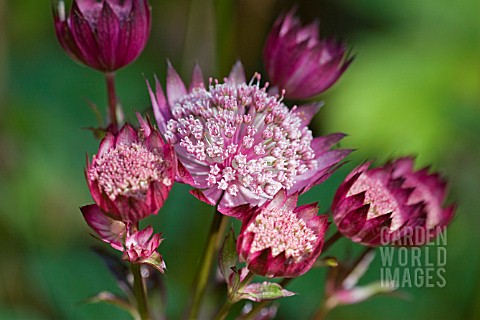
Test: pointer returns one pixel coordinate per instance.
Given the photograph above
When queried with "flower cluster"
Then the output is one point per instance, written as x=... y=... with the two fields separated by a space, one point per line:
x=236 y=144
x=243 y=150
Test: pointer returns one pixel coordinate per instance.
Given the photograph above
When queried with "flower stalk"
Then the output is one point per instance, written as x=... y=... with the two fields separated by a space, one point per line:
x=232 y=297
x=217 y=228
x=140 y=292
x=112 y=101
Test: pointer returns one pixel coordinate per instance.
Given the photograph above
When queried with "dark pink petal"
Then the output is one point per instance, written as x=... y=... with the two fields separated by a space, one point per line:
x=108 y=30
x=197 y=78
x=85 y=39
x=237 y=74
x=107 y=143
x=109 y=230
x=175 y=86
x=126 y=136
x=307 y=112
x=161 y=110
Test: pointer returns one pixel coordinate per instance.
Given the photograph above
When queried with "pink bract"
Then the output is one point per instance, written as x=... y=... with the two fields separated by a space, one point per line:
x=299 y=62
x=236 y=144
x=280 y=239
x=132 y=174
x=104 y=35
x=391 y=205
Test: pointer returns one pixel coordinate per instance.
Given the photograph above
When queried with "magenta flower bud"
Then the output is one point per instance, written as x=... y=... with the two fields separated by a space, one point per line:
x=299 y=62
x=239 y=145
x=281 y=239
x=104 y=35
x=132 y=174
x=392 y=205
x=141 y=247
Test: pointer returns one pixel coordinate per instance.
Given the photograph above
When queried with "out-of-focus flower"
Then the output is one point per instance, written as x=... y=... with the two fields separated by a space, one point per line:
x=140 y=248
x=132 y=174
x=280 y=239
x=104 y=35
x=299 y=62
x=237 y=144
x=391 y=205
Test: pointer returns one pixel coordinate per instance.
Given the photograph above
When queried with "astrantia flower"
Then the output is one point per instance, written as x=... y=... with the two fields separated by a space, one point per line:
x=391 y=205
x=105 y=35
x=281 y=239
x=137 y=246
x=299 y=62
x=132 y=174
x=239 y=145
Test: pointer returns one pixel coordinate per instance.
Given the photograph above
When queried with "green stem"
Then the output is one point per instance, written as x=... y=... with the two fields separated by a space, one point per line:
x=232 y=297
x=112 y=101
x=224 y=310
x=321 y=312
x=140 y=292
x=201 y=277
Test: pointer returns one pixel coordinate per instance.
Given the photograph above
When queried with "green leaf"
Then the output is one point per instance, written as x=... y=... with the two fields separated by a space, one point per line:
x=227 y=256
x=264 y=291
x=108 y=297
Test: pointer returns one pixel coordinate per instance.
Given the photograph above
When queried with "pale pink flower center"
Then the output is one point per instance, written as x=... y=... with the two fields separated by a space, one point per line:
x=282 y=231
x=377 y=195
x=128 y=170
x=243 y=138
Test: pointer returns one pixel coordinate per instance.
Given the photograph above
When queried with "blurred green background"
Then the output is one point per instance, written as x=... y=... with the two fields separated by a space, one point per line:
x=412 y=89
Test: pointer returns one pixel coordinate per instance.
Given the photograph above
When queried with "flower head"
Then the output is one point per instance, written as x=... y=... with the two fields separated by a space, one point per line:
x=391 y=205
x=132 y=174
x=236 y=144
x=104 y=35
x=280 y=239
x=299 y=62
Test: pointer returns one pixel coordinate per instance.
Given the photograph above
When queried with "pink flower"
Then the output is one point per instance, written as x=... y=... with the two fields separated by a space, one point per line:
x=299 y=62
x=391 y=205
x=104 y=35
x=137 y=246
x=280 y=239
x=236 y=144
x=140 y=248
x=132 y=174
